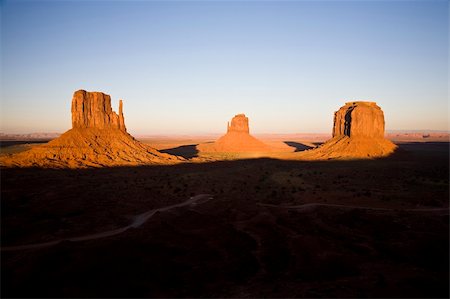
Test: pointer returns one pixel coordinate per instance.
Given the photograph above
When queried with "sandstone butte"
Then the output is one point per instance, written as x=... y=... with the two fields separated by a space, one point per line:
x=98 y=138
x=236 y=140
x=358 y=132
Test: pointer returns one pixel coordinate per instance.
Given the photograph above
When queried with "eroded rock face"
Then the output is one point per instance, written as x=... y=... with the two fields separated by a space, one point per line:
x=359 y=119
x=239 y=123
x=93 y=110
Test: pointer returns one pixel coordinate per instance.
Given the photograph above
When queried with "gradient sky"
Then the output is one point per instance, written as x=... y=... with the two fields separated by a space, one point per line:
x=186 y=67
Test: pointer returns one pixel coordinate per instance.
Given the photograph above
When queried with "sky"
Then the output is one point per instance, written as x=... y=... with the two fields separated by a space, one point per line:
x=187 y=67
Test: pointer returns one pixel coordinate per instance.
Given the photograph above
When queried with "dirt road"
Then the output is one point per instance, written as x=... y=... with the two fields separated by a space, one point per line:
x=138 y=221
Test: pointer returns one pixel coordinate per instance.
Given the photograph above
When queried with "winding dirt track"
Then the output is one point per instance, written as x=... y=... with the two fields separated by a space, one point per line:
x=310 y=206
x=201 y=198
x=137 y=221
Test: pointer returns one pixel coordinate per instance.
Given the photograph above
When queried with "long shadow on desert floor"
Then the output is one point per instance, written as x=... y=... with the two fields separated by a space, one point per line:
x=381 y=229
x=299 y=147
x=7 y=143
x=185 y=151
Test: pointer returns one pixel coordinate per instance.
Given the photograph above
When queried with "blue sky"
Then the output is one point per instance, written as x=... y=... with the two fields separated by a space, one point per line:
x=186 y=67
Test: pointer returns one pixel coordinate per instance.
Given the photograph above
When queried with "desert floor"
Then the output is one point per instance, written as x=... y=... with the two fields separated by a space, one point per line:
x=381 y=228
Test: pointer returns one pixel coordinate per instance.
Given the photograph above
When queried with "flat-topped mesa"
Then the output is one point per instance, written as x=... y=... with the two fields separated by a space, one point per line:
x=359 y=119
x=239 y=123
x=93 y=110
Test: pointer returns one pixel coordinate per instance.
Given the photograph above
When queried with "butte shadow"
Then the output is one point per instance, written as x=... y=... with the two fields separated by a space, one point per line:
x=299 y=147
x=186 y=151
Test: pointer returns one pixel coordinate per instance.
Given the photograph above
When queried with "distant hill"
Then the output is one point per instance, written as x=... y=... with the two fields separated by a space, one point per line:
x=416 y=131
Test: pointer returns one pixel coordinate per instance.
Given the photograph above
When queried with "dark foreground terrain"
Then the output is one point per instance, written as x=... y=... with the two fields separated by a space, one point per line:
x=382 y=229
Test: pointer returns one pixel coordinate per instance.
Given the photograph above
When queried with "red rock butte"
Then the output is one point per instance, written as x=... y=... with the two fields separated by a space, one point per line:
x=359 y=119
x=358 y=132
x=93 y=110
x=98 y=138
x=239 y=123
x=237 y=139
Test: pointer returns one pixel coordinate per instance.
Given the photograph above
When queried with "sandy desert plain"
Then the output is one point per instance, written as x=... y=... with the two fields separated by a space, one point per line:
x=230 y=224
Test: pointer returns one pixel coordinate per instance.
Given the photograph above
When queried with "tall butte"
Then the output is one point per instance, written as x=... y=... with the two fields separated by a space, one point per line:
x=98 y=138
x=237 y=139
x=93 y=110
x=358 y=132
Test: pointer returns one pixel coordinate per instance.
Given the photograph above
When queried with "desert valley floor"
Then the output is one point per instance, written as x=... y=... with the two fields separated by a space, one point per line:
x=266 y=228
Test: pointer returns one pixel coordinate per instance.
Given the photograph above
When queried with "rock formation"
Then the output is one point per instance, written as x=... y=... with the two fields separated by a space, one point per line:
x=98 y=138
x=239 y=123
x=93 y=110
x=358 y=132
x=237 y=139
x=359 y=119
